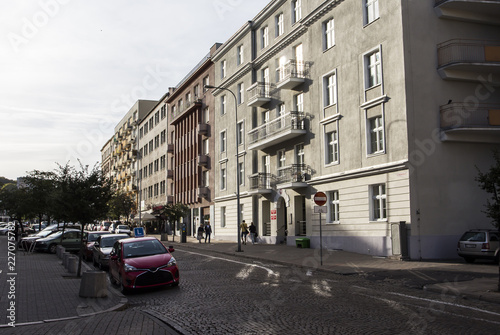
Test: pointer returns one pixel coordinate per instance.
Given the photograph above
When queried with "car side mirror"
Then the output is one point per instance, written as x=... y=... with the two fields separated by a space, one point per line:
x=171 y=249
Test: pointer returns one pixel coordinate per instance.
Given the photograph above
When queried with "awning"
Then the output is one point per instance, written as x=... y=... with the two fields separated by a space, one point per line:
x=146 y=217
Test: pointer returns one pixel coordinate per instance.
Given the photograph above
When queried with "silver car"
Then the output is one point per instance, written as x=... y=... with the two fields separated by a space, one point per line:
x=102 y=248
x=479 y=244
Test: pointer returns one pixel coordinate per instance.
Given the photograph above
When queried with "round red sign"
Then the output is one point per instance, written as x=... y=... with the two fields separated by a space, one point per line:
x=320 y=198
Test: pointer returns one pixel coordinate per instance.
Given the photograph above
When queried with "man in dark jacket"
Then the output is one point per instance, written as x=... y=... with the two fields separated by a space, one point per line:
x=208 y=232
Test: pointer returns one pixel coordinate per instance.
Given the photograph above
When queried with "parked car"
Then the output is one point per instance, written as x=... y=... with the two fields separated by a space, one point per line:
x=479 y=244
x=4 y=229
x=26 y=242
x=91 y=237
x=105 y=226
x=122 y=229
x=70 y=239
x=102 y=248
x=142 y=262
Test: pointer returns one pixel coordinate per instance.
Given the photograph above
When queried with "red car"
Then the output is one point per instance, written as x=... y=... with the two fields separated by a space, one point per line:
x=142 y=262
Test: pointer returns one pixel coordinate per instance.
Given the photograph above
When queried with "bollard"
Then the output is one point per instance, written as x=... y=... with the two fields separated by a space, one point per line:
x=72 y=264
x=65 y=257
x=60 y=250
x=94 y=284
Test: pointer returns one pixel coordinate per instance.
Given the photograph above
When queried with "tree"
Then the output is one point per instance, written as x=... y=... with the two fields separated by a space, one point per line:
x=40 y=187
x=174 y=212
x=121 y=204
x=14 y=201
x=490 y=182
x=81 y=196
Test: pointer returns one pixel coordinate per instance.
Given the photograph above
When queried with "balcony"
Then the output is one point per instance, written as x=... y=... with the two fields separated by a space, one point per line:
x=479 y=11
x=292 y=74
x=261 y=183
x=203 y=192
x=170 y=174
x=462 y=123
x=204 y=129
x=170 y=148
x=469 y=60
x=259 y=94
x=203 y=160
x=277 y=131
x=293 y=176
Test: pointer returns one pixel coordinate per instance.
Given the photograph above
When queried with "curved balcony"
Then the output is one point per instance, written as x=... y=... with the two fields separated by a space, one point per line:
x=293 y=176
x=277 y=131
x=463 y=123
x=479 y=11
x=261 y=183
x=292 y=74
x=259 y=94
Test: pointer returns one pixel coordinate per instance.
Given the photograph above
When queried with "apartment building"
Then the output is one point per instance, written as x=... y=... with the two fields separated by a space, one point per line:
x=151 y=147
x=191 y=143
x=106 y=159
x=386 y=106
x=123 y=144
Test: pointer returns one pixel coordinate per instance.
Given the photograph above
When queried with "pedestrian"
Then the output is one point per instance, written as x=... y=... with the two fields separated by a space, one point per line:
x=208 y=232
x=200 y=233
x=244 y=232
x=253 y=232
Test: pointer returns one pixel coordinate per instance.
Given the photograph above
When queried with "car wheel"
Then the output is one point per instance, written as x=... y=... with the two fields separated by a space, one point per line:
x=469 y=259
x=123 y=289
x=52 y=248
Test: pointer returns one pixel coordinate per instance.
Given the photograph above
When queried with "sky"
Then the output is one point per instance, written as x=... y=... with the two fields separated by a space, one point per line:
x=71 y=69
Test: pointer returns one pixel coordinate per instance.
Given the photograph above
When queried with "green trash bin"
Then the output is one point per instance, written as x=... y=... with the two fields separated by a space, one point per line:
x=302 y=243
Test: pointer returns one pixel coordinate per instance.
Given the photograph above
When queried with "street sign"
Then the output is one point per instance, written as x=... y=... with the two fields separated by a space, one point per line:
x=320 y=198
x=139 y=232
x=320 y=209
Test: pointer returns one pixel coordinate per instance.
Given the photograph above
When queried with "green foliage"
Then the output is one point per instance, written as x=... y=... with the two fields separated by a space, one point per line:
x=175 y=212
x=121 y=204
x=490 y=182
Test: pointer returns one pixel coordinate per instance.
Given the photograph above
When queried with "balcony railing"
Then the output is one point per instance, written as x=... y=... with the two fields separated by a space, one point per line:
x=295 y=173
x=262 y=182
x=458 y=115
x=278 y=130
x=292 y=74
x=259 y=94
x=468 y=51
x=481 y=11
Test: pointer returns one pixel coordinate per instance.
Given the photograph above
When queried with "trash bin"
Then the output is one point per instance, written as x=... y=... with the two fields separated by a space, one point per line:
x=302 y=243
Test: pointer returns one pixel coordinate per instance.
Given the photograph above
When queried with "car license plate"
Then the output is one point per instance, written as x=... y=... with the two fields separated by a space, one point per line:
x=470 y=245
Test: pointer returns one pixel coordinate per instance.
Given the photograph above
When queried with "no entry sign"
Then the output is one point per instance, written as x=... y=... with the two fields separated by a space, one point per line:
x=320 y=198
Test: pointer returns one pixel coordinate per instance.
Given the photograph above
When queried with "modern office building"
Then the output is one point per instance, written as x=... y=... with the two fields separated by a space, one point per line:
x=191 y=152
x=388 y=107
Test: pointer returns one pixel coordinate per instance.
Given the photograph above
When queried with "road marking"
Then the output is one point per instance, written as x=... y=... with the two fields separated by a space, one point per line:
x=269 y=271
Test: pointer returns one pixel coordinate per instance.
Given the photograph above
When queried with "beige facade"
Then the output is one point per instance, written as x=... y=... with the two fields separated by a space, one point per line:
x=350 y=98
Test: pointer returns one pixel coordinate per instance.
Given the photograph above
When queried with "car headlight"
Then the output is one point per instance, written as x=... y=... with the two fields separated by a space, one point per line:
x=172 y=262
x=129 y=268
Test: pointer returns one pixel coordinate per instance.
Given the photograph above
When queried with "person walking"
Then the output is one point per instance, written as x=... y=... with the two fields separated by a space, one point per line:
x=208 y=232
x=253 y=231
x=200 y=233
x=244 y=231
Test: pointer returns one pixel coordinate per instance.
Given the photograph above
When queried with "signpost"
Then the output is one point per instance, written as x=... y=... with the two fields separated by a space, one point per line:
x=138 y=232
x=320 y=200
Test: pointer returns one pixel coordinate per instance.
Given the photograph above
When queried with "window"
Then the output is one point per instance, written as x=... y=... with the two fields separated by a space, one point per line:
x=205 y=146
x=241 y=93
x=157 y=117
x=223 y=69
x=333 y=206
x=157 y=165
x=296 y=11
x=181 y=105
x=223 y=141
x=151 y=146
x=281 y=163
x=371 y=11
x=266 y=165
x=196 y=91
x=206 y=115
x=163 y=136
x=281 y=69
x=223 y=178
x=332 y=147
x=378 y=203
x=330 y=89
x=146 y=128
x=157 y=141
x=328 y=34
x=239 y=55
x=264 y=37
x=280 y=29
x=373 y=69
x=206 y=81
x=223 y=216
x=299 y=154
x=163 y=162
x=151 y=123
x=299 y=102
x=376 y=128
x=241 y=171
x=163 y=112
x=240 y=132
x=188 y=98
x=223 y=105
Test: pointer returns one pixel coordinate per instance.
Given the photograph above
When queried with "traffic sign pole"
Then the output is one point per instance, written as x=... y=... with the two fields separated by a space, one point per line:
x=320 y=199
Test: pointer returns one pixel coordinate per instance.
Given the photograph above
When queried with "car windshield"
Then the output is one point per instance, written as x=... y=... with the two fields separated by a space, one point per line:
x=56 y=234
x=474 y=236
x=109 y=241
x=93 y=237
x=143 y=248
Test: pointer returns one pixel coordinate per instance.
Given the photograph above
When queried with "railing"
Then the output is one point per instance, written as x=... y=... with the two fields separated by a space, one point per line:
x=468 y=51
x=293 y=173
x=259 y=90
x=458 y=115
x=292 y=120
x=261 y=180
x=293 y=69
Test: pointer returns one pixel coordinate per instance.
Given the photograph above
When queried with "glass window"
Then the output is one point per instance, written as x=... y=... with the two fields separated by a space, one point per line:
x=240 y=129
x=333 y=206
x=371 y=11
x=373 y=68
x=223 y=216
x=379 y=197
x=329 y=34
x=264 y=32
x=280 y=29
x=332 y=147
x=296 y=11
x=239 y=55
x=376 y=135
x=223 y=178
x=330 y=89
x=223 y=141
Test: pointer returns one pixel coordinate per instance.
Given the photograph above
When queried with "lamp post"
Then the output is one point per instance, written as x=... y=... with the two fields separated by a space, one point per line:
x=238 y=219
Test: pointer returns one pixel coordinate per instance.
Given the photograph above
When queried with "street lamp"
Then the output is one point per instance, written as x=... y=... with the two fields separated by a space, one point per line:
x=237 y=162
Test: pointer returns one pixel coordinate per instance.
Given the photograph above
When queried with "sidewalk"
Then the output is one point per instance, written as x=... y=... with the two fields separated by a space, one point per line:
x=476 y=281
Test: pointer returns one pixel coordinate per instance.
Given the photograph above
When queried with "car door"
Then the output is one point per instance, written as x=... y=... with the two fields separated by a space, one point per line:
x=71 y=240
x=114 y=260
